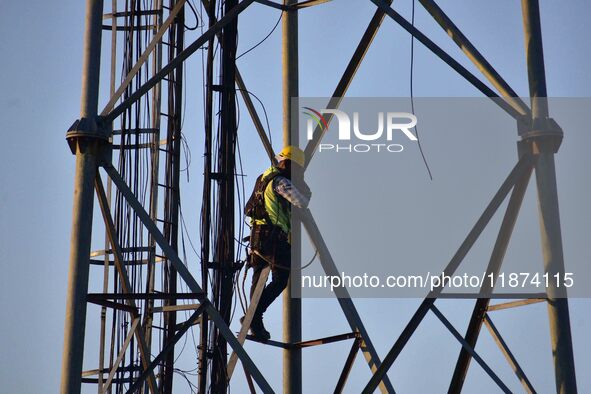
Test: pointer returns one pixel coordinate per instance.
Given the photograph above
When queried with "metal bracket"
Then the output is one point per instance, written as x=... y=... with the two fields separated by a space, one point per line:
x=236 y=266
x=539 y=134
x=87 y=133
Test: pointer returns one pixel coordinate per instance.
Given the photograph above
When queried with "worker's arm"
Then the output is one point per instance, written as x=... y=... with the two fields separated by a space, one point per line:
x=285 y=188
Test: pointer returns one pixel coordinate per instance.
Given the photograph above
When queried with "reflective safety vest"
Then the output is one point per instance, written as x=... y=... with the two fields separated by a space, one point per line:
x=276 y=207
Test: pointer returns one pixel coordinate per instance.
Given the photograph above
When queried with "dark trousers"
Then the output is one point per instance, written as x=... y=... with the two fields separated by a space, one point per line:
x=277 y=251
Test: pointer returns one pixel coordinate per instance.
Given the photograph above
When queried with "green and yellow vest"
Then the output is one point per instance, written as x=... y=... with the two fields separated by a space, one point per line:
x=276 y=206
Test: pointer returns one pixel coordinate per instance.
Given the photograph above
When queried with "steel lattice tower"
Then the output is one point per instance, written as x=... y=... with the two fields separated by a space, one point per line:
x=136 y=140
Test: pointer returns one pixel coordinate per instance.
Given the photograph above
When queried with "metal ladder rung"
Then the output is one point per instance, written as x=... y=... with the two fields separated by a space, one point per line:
x=126 y=262
x=134 y=146
x=120 y=14
x=165 y=221
x=175 y=308
x=166 y=186
x=102 y=252
x=139 y=130
x=130 y=28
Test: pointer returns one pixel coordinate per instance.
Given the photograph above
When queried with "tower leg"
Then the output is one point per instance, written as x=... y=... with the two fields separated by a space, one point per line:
x=85 y=150
x=292 y=307
x=560 y=335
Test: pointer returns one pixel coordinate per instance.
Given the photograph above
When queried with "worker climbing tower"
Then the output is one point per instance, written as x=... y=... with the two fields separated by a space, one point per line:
x=133 y=296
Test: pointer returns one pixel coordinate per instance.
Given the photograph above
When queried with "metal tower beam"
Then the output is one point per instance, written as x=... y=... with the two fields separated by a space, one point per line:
x=292 y=306
x=346 y=303
x=179 y=6
x=125 y=284
x=188 y=51
x=184 y=273
x=522 y=167
x=494 y=266
x=450 y=61
x=89 y=141
x=470 y=349
x=86 y=164
x=475 y=56
x=347 y=77
x=562 y=351
x=508 y=355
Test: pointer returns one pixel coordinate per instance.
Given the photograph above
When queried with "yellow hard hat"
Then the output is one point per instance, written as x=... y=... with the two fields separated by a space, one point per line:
x=294 y=154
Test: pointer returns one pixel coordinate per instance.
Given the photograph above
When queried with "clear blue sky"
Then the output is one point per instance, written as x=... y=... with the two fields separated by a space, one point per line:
x=41 y=45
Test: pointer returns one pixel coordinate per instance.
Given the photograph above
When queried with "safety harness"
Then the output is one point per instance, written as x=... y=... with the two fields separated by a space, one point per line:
x=255 y=206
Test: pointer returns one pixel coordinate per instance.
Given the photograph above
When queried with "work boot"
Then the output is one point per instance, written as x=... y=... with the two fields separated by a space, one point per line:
x=257 y=328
